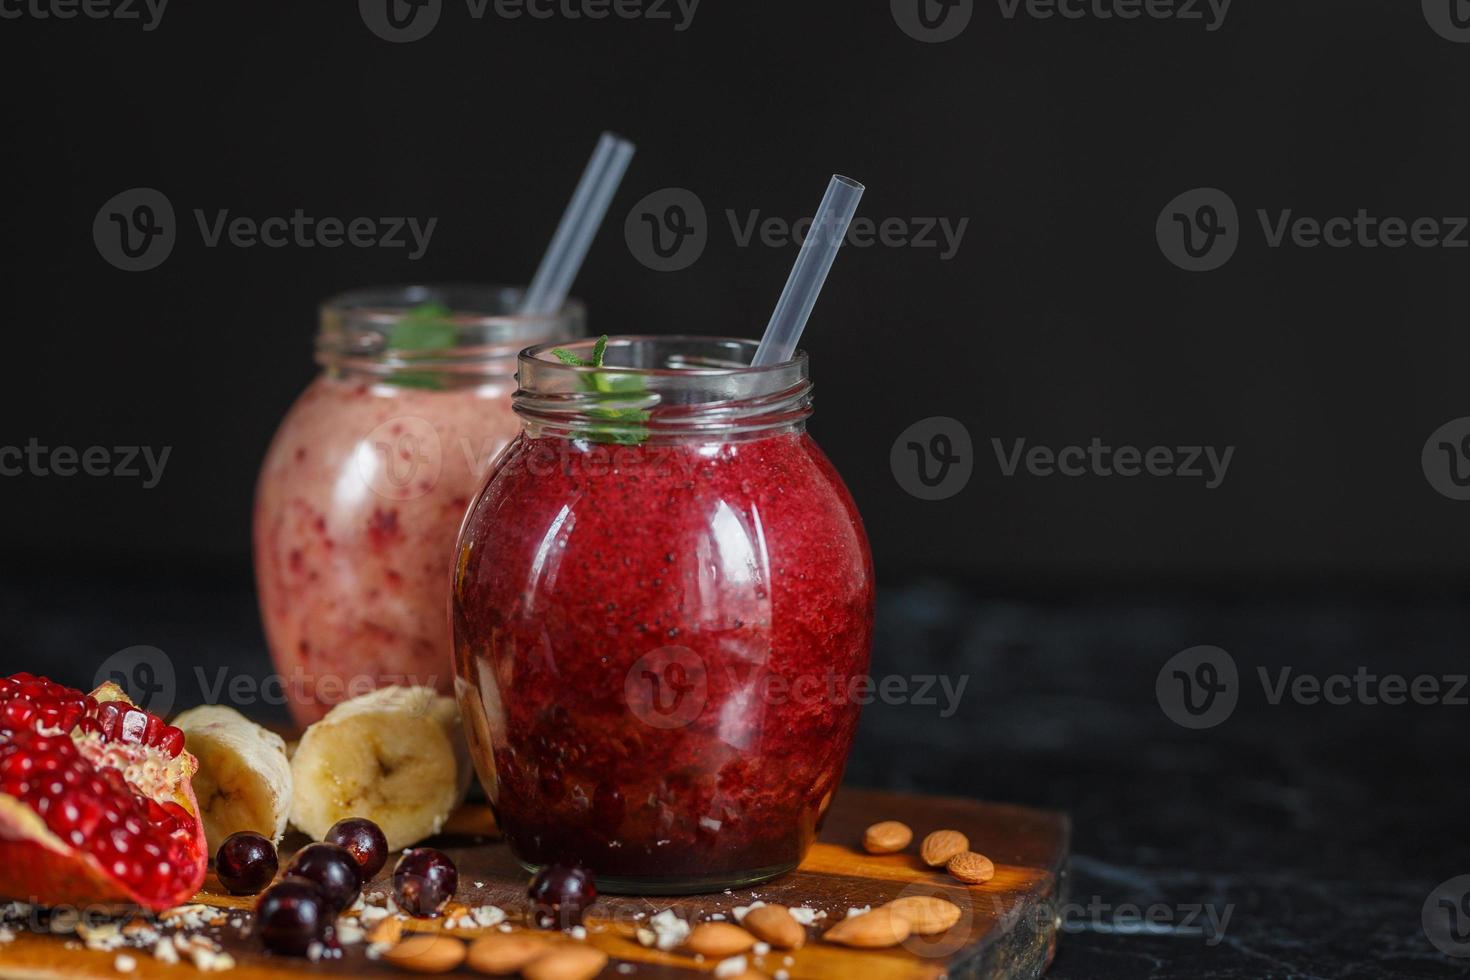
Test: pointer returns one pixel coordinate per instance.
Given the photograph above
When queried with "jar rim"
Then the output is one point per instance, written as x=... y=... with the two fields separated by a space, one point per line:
x=541 y=357
x=482 y=328
x=654 y=386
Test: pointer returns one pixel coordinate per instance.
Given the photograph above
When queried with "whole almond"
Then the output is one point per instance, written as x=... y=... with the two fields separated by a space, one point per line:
x=971 y=868
x=888 y=837
x=871 y=930
x=503 y=954
x=927 y=915
x=718 y=939
x=773 y=924
x=942 y=845
x=427 y=954
x=568 y=961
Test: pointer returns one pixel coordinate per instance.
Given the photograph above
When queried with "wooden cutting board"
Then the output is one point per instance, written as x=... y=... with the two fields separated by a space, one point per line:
x=1008 y=928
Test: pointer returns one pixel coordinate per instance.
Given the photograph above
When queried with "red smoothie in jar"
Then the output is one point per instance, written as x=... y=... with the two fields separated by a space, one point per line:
x=661 y=609
x=366 y=483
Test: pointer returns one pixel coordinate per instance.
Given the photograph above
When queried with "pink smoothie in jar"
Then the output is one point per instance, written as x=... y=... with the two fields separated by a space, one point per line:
x=366 y=482
x=662 y=610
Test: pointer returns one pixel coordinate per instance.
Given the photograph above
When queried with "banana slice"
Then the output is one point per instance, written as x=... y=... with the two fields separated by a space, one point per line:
x=396 y=756
x=244 y=778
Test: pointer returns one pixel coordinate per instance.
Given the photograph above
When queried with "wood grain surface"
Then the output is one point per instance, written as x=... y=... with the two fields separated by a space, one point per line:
x=1007 y=927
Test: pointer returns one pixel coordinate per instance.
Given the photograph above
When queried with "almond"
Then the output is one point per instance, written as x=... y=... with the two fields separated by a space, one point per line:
x=888 y=837
x=774 y=925
x=942 y=845
x=927 y=915
x=504 y=954
x=971 y=868
x=387 y=932
x=427 y=954
x=871 y=930
x=569 y=961
x=718 y=939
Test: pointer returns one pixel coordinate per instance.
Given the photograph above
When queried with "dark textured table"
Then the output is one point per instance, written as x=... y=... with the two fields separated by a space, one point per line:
x=1290 y=840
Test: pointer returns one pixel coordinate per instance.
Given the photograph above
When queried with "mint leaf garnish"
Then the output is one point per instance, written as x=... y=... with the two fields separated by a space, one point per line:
x=426 y=327
x=567 y=357
x=609 y=383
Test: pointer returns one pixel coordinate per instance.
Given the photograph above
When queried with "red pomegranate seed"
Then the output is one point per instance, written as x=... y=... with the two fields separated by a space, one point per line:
x=89 y=726
x=17 y=714
x=109 y=716
x=171 y=741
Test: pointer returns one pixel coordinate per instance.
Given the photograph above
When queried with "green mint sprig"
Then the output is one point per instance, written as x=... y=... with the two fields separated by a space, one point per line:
x=624 y=429
x=426 y=327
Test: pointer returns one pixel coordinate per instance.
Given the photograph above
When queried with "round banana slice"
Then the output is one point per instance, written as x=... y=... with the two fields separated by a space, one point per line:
x=396 y=756
x=244 y=778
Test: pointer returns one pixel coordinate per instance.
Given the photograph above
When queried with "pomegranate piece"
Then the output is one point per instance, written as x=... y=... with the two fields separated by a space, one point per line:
x=96 y=800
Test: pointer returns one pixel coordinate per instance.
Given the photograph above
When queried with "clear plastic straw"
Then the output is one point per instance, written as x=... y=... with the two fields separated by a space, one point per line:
x=813 y=262
x=579 y=224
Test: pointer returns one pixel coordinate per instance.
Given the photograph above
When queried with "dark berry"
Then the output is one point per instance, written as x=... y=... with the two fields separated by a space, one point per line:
x=560 y=893
x=246 y=863
x=424 y=880
x=291 y=915
x=332 y=869
x=364 y=841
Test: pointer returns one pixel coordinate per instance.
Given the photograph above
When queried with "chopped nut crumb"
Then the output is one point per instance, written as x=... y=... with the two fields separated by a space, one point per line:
x=741 y=911
x=734 y=966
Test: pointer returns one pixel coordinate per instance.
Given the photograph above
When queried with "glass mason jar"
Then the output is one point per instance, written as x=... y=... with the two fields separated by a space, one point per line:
x=366 y=482
x=662 y=603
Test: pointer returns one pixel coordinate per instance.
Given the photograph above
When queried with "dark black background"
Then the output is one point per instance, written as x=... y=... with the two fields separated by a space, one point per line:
x=1058 y=320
